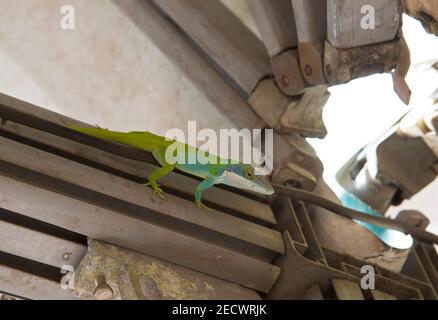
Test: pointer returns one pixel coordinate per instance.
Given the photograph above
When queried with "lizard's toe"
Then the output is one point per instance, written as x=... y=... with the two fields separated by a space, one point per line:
x=203 y=206
x=158 y=192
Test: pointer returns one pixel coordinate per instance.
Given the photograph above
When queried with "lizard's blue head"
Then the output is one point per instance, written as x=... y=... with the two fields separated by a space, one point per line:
x=242 y=176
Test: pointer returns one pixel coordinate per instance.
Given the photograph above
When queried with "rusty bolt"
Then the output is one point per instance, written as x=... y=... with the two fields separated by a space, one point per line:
x=285 y=81
x=103 y=290
x=308 y=70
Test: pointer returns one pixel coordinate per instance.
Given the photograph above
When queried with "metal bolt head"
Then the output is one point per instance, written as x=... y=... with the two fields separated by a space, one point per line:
x=66 y=256
x=308 y=70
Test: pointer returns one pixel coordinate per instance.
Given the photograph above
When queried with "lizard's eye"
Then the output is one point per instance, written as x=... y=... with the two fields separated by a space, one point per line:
x=249 y=174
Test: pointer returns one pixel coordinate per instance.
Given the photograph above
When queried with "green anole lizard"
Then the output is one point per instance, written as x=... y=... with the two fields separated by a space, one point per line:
x=211 y=168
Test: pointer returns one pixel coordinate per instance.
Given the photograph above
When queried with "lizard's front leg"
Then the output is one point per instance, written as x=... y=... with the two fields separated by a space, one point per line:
x=157 y=174
x=204 y=185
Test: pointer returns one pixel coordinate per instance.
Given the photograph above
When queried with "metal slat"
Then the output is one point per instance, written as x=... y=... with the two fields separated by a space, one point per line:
x=26 y=285
x=216 y=197
x=136 y=234
x=39 y=246
x=172 y=208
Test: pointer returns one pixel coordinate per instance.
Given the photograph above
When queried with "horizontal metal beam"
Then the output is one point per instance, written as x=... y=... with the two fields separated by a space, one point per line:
x=136 y=171
x=27 y=285
x=37 y=245
x=134 y=233
x=173 y=212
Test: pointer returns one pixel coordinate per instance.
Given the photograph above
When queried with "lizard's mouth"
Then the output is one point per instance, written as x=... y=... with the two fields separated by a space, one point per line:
x=256 y=184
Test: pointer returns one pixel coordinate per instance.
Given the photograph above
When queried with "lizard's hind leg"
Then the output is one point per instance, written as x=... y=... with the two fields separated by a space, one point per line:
x=157 y=174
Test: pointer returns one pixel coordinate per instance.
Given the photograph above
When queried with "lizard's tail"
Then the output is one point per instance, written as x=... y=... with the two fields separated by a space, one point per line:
x=101 y=133
x=142 y=140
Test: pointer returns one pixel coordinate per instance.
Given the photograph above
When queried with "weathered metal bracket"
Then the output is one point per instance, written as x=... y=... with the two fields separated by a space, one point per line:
x=291 y=174
x=301 y=114
x=128 y=275
x=312 y=271
x=343 y=65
